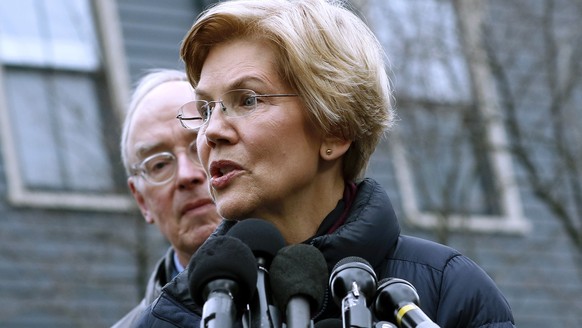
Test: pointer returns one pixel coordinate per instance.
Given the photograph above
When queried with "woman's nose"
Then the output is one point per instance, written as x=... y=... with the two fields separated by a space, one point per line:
x=217 y=128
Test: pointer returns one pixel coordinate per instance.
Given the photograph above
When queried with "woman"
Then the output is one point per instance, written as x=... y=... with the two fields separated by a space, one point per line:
x=292 y=99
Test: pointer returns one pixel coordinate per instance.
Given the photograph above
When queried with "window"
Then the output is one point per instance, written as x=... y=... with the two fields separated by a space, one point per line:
x=62 y=87
x=449 y=147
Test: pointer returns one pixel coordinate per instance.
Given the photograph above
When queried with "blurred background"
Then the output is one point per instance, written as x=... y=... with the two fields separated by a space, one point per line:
x=486 y=155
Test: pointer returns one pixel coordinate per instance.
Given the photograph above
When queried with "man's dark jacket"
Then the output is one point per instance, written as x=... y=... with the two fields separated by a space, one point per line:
x=453 y=290
x=164 y=271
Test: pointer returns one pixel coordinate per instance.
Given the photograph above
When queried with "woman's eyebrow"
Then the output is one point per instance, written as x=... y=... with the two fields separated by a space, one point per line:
x=244 y=82
x=199 y=95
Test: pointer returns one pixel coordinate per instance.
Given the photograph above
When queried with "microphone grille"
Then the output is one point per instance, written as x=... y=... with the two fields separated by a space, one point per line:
x=223 y=257
x=299 y=270
x=261 y=236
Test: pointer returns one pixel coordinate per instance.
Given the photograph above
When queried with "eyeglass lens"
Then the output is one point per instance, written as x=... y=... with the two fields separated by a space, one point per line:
x=233 y=103
x=161 y=167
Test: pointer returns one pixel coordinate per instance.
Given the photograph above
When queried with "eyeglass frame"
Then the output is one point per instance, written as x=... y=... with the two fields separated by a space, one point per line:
x=209 y=108
x=139 y=168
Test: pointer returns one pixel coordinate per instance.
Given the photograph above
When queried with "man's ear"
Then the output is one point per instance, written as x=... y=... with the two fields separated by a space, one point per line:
x=333 y=148
x=139 y=199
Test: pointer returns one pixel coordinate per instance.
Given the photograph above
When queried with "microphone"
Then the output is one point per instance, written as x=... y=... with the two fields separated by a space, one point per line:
x=299 y=280
x=222 y=275
x=329 y=323
x=397 y=300
x=264 y=240
x=353 y=285
x=384 y=324
x=337 y=323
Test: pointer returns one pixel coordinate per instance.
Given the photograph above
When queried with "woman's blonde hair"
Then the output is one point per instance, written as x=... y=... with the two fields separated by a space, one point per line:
x=323 y=51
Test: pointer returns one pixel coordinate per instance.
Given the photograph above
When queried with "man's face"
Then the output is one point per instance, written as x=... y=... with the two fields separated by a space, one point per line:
x=181 y=208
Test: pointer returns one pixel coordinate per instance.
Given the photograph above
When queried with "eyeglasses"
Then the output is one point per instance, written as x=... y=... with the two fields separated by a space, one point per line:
x=161 y=168
x=234 y=103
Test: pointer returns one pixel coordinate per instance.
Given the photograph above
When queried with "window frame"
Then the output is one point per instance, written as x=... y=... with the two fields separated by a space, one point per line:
x=117 y=78
x=512 y=219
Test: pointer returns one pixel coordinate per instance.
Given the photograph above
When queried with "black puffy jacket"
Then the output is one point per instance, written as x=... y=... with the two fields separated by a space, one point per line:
x=453 y=290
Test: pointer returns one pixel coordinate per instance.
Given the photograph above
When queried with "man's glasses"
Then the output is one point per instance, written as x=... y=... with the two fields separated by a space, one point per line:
x=234 y=103
x=161 y=168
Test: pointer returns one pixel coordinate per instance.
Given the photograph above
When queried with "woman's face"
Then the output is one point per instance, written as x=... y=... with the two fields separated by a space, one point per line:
x=265 y=164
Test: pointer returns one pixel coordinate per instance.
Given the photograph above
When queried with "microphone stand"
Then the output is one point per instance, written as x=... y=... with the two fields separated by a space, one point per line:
x=262 y=314
x=355 y=313
x=219 y=311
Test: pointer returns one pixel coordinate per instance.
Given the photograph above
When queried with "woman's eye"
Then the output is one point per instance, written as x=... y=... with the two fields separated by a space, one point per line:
x=249 y=101
x=203 y=112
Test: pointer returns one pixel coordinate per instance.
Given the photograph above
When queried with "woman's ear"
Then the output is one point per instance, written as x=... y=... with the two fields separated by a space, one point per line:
x=333 y=148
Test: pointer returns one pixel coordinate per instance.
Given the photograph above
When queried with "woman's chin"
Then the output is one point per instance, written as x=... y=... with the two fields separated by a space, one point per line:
x=233 y=211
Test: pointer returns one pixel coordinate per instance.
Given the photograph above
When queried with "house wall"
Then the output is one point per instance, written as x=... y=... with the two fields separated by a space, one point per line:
x=538 y=271
x=153 y=31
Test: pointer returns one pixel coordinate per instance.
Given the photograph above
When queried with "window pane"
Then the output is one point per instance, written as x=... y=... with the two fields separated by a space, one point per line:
x=440 y=127
x=422 y=44
x=448 y=159
x=58 y=130
x=43 y=33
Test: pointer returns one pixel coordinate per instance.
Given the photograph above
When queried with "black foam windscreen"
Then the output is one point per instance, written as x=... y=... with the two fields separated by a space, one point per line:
x=261 y=236
x=223 y=257
x=299 y=270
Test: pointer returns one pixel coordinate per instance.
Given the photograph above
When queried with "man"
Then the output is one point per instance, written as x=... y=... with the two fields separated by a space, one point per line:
x=165 y=176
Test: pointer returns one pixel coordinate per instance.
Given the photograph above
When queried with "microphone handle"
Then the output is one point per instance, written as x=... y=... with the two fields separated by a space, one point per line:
x=384 y=324
x=427 y=324
x=218 y=311
x=355 y=313
x=298 y=313
x=262 y=313
x=411 y=316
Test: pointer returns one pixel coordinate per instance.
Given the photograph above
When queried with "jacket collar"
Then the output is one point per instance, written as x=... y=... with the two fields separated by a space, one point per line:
x=370 y=231
x=164 y=272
